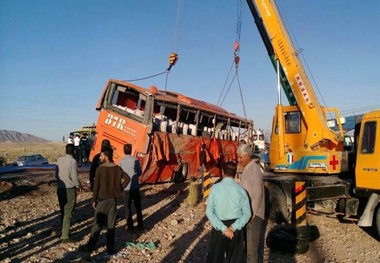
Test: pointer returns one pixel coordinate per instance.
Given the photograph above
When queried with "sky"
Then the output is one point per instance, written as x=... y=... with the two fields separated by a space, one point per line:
x=56 y=56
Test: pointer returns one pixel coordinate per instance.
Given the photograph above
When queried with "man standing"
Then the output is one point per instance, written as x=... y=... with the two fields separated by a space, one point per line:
x=132 y=167
x=70 y=140
x=228 y=210
x=84 y=146
x=77 y=147
x=67 y=185
x=96 y=162
x=110 y=180
x=252 y=180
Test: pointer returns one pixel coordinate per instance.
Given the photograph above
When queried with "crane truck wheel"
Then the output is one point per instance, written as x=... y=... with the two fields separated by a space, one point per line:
x=309 y=233
x=278 y=210
x=285 y=238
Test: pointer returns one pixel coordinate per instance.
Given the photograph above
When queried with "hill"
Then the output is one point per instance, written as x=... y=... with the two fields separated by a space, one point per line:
x=14 y=136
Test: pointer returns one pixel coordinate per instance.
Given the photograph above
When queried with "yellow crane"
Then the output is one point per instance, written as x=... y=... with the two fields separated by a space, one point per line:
x=304 y=147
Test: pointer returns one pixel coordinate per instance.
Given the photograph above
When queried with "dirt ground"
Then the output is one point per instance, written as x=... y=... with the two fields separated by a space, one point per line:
x=30 y=229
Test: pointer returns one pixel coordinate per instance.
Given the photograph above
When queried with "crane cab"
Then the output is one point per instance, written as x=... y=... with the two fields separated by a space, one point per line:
x=290 y=151
x=367 y=168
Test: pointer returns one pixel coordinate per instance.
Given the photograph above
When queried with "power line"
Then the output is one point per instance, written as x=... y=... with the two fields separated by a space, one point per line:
x=358 y=111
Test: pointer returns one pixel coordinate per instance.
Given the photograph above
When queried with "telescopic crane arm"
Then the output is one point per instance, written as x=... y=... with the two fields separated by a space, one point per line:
x=301 y=93
x=313 y=140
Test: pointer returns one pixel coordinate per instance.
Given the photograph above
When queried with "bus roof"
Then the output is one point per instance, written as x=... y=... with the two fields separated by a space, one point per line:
x=176 y=98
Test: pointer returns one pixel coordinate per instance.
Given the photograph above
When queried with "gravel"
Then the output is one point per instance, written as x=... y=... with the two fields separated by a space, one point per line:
x=30 y=228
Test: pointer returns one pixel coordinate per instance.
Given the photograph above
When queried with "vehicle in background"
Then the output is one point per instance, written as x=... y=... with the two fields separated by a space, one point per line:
x=348 y=137
x=90 y=131
x=349 y=142
x=259 y=141
x=30 y=160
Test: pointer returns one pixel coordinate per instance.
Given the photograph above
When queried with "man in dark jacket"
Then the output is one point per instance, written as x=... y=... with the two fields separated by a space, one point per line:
x=96 y=162
x=84 y=145
x=110 y=180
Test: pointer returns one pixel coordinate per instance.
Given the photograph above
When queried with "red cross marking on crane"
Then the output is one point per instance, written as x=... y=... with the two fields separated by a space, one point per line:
x=334 y=162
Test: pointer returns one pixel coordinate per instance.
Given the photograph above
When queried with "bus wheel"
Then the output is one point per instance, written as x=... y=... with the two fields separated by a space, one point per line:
x=278 y=210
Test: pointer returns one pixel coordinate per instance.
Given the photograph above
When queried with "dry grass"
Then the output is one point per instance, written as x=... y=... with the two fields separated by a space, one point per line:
x=10 y=151
x=194 y=193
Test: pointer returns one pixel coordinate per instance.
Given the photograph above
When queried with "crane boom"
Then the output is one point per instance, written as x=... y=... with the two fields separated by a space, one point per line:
x=299 y=82
x=313 y=139
x=268 y=45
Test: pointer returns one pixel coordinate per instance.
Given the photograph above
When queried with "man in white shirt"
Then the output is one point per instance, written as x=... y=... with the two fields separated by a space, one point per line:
x=70 y=140
x=77 y=147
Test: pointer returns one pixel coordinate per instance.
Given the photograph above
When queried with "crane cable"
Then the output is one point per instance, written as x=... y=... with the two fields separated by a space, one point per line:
x=236 y=45
x=173 y=57
x=236 y=61
x=225 y=83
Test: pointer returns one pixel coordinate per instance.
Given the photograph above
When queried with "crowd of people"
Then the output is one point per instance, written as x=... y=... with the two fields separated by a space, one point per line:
x=82 y=146
x=109 y=182
x=235 y=210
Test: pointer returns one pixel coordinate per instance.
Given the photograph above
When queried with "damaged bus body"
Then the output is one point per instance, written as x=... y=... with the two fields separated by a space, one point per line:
x=166 y=130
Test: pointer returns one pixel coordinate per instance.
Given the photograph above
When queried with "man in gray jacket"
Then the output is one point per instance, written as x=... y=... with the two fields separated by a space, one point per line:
x=252 y=180
x=132 y=167
x=67 y=186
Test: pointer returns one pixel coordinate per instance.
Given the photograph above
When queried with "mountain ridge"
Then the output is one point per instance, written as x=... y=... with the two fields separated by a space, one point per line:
x=15 y=136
